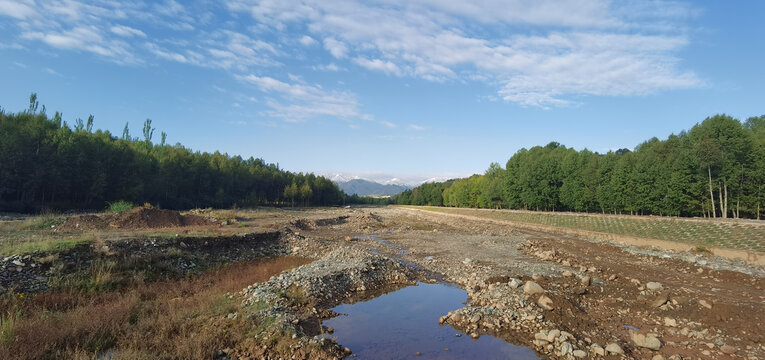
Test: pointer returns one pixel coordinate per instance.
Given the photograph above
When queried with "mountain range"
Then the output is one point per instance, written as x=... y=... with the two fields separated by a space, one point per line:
x=363 y=187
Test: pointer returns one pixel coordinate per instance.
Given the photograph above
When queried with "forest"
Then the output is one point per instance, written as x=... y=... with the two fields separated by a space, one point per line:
x=46 y=163
x=716 y=169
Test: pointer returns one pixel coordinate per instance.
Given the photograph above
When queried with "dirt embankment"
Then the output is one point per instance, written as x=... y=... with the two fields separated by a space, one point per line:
x=137 y=218
x=154 y=258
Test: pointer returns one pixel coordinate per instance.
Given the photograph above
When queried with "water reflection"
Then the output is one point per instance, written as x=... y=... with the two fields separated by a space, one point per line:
x=399 y=324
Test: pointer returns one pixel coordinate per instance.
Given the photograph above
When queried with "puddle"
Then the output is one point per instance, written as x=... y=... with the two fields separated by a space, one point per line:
x=399 y=324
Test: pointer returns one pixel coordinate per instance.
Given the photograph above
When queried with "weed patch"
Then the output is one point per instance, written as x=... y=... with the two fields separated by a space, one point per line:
x=120 y=206
x=182 y=318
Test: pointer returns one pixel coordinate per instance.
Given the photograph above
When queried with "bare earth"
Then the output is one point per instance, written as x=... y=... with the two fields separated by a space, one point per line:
x=592 y=298
x=700 y=308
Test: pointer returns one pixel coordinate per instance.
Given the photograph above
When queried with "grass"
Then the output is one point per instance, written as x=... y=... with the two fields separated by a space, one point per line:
x=11 y=247
x=7 y=322
x=120 y=206
x=742 y=235
x=171 y=319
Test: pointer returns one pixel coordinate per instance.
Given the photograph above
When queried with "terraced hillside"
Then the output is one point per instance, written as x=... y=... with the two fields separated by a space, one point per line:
x=728 y=233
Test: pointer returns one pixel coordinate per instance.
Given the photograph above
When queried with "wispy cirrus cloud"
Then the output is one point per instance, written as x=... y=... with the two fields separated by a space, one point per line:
x=537 y=53
x=299 y=101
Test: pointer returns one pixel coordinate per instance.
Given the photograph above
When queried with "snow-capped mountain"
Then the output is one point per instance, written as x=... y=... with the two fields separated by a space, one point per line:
x=363 y=187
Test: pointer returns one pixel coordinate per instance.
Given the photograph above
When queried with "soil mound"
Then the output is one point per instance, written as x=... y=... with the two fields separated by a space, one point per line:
x=83 y=222
x=306 y=224
x=137 y=218
x=366 y=220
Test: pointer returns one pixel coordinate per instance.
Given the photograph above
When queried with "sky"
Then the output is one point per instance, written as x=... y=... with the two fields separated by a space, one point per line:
x=412 y=89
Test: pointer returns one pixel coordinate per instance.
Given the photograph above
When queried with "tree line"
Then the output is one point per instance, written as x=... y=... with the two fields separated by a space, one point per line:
x=716 y=169
x=47 y=163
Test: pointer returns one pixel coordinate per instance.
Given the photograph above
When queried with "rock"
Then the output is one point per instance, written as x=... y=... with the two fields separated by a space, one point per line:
x=614 y=348
x=17 y=263
x=515 y=283
x=536 y=277
x=568 y=274
x=552 y=335
x=654 y=286
x=545 y=303
x=579 y=290
x=657 y=357
x=580 y=353
x=467 y=261
x=348 y=238
x=531 y=288
x=660 y=300
x=475 y=319
x=705 y=304
x=599 y=350
x=542 y=336
x=646 y=341
x=670 y=322
x=566 y=348
x=727 y=349
x=586 y=281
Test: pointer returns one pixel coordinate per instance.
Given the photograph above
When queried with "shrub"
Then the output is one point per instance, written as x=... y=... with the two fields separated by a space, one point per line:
x=120 y=206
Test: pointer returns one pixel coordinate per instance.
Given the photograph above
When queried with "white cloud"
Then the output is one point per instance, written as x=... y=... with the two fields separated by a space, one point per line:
x=329 y=67
x=307 y=40
x=87 y=38
x=535 y=52
x=305 y=101
x=19 y=9
x=336 y=48
x=388 y=124
x=416 y=127
x=379 y=65
x=127 y=31
x=165 y=54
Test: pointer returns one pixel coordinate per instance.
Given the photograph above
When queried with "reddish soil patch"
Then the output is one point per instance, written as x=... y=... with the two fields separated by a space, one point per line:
x=710 y=307
x=137 y=218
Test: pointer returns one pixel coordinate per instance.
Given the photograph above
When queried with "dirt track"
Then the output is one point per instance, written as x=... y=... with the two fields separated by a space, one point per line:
x=702 y=310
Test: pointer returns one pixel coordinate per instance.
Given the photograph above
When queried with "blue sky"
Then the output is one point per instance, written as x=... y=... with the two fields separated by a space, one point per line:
x=405 y=88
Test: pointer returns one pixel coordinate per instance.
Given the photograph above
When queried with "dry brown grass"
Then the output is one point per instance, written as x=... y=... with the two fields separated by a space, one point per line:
x=178 y=319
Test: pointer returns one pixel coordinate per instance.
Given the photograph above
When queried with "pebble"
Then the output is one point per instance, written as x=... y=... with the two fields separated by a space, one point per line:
x=586 y=280
x=705 y=304
x=646 y=341
x=531 y=288
x=515 y=283
x=654 y=286
x=614 y=348
x=727 y=349
x=657 y=357
x=670 y=322
x=580 y=353
x=597 y=349
x=552 y=335
x=545 y=303
x=660 y=300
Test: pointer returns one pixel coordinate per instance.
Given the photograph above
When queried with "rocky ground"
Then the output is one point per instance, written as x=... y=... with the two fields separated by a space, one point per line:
x=565 y=297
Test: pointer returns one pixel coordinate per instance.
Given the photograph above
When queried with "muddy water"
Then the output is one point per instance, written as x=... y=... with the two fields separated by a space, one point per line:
x=400 y=324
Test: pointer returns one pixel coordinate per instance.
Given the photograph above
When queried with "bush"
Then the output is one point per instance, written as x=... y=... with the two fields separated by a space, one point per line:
x=120 y=206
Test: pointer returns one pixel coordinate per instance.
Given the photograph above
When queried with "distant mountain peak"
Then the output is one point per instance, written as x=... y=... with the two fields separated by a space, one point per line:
x=362 y=187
